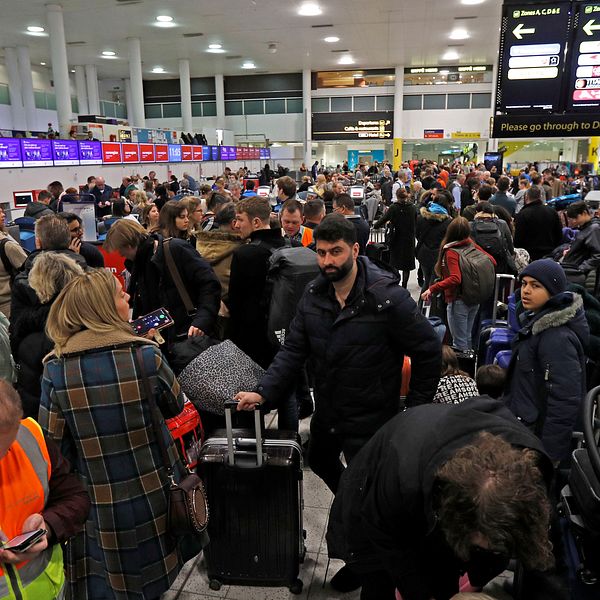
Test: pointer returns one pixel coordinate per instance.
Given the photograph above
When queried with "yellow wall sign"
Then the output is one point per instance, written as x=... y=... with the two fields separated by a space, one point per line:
x=593 y=150
x=397 y=160
x=465 y=135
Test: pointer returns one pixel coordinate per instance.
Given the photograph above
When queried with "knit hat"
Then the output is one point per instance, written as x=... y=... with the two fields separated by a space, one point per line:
x=549 y=273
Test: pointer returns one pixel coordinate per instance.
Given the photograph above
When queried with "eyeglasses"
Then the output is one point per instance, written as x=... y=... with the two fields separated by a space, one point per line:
x=76 y=229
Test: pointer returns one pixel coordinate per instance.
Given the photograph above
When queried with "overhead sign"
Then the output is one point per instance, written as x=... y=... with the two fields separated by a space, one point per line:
x=433 y=133
x=353 y=125
x=584 y=76
x=543 y=126
x=465 y=135
x=532 y=47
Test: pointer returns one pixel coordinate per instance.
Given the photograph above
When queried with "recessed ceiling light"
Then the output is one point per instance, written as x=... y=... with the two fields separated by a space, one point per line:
x=216 y=50
x=346 y=60
x=72 y=70
x=450 y=55
x=459 y=34
x=158 y=70
x=309 y=9
x=215 y=46
x=43 y=64
x=108 y=53
x=35 y=29
x=164 y=18
x=248 y=65
x=332 y=39
x=472 y=2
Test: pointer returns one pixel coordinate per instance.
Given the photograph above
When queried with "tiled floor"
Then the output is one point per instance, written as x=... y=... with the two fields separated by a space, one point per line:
x=192 y=583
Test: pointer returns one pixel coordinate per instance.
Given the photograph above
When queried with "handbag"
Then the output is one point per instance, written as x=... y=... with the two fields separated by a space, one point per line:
x=217 y=375
x=187 y=510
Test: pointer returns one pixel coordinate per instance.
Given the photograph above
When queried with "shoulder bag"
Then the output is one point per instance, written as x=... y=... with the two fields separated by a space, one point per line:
x=187 y=505
x=176 y=277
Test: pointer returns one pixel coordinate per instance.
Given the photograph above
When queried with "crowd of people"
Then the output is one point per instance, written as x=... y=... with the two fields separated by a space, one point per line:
x=458 y=476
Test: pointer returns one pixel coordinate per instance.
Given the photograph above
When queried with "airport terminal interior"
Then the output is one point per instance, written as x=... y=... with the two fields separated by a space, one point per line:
x=165 y=134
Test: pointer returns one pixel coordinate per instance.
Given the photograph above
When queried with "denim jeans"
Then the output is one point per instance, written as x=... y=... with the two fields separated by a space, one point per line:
x=460 y=320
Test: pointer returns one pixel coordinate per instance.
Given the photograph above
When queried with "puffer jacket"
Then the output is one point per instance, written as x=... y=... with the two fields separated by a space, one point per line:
x=430 y=231
x=546 y=376
x=216 y=247
x=585 y=250
x=356 y=353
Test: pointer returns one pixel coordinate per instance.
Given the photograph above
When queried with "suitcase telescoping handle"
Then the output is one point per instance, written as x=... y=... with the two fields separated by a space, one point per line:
x=497 y=291
x=232 y=405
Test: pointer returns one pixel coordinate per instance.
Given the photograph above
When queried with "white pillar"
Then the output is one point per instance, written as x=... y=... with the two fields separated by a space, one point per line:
x=81 y=89
x=398 y=107
x=137 y=117
x=60 y=67
x=220 y=100
x=186 y=94
x=307 y=104
x=91 y=76
x=26 y=86
x=128 y=101
x=14 y=89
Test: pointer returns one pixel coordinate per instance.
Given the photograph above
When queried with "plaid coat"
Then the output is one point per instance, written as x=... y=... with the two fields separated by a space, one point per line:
x=93 y=403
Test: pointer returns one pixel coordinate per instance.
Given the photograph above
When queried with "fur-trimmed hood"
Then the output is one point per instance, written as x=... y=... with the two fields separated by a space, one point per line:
x=215 y=246
x=427 y=214
x=566 y=309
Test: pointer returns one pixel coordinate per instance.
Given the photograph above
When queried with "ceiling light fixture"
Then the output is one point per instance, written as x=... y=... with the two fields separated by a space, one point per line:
x=108 y=53
x=358 y=75
x=35 y=29
x=158 y=70
x=72 y=70
x=332 y=39
x=215 y=46
x=164 y=18
x=471 y=2
x=216 y=50
x=309 y=9
x=459 y=34
x=43 y=64
x=248 y=65
x=346 y=60
x=450 y=55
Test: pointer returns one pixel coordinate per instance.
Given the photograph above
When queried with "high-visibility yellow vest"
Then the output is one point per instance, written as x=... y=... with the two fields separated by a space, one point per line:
x=24 y=487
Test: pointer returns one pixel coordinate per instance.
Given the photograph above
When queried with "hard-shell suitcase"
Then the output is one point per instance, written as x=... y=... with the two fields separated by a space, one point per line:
x=254 y=485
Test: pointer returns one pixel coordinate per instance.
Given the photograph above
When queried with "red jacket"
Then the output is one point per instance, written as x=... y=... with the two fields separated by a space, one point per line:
x=451 y=275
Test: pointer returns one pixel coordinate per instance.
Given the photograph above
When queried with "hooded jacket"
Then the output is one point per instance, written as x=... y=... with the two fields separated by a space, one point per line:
x=546 y=376
x=430 y=231
x=382 y=517
x=217 y=247
x=356 y=353
x=537 y=229
x=585 y=250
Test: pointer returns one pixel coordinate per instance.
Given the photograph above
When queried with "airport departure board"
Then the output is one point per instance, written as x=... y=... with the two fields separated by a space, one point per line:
x=584 y=76
x=532 y=53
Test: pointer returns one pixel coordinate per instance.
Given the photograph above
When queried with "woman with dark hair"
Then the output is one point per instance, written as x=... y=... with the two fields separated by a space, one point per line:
x=150 y=217
x=173 y=184
x=461 y=316
x=162 y=196
x=402 y=215
x=455 y=385
x=174 y=220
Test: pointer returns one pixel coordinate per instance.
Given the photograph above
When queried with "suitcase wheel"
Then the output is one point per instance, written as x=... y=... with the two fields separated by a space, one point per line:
x=296 y=587
x=215 y=584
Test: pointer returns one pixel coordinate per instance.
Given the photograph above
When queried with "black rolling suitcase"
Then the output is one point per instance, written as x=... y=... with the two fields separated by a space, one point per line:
x=378 y=252
x=254 y=485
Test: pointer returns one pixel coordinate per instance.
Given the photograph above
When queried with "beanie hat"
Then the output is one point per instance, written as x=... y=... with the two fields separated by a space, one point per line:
x=549 y=273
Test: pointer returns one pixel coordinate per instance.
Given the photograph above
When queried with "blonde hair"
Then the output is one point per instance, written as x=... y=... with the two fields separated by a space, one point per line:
x=124 y=233
x=138 y=198
x=50 y=273
x=87 y=302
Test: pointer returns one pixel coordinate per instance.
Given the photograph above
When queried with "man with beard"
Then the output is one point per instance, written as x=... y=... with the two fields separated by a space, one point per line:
x=354 y=325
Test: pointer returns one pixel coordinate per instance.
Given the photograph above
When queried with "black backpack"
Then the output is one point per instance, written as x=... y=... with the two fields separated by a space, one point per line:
x=477 y=273
x=488 y=235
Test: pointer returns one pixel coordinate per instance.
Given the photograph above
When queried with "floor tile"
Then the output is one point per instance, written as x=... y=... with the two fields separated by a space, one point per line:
x=193 y=579
x=315 y=520
x=317 y=591
x=316 y=493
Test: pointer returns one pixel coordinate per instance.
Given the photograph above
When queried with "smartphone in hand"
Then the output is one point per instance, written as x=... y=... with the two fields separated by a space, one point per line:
x=22 y=543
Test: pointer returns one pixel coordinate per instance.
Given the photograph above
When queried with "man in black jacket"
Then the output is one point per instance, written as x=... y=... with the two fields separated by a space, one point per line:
x=537 y=226
x=584 y=253
x=431 y=496
x=154 y=285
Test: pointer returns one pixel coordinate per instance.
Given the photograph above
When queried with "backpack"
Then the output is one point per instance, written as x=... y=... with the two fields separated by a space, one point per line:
x=8 y=266
x=487 y=234
x=291 y=269
x=478 y=275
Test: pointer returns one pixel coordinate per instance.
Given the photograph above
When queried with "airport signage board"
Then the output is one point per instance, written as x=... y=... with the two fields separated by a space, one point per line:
x=90 y=153
x=197 y=153
x=10 y=153
x=65 y=152
x=377 y=125
x=36 y=153
x=433 y=134
x=111 y=153
x=186 y=153
x=161 y=153
x=544 y=126
x=174 y=153
x=584 y=76
x=205 y=152
x=146 y=152
x=533 y=40
x=131 y=153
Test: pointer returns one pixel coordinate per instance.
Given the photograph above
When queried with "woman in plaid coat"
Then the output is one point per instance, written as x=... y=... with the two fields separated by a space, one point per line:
x=93 y=403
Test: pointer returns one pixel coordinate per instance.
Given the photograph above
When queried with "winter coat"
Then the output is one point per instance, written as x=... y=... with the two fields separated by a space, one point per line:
x=591 y=308
x=430 y=231
x=37 y=209
x=382 y=517
x=537 y=229
x=546 y=376
x=16 y=257
x=505 y=201
x=217 y=247
x=403 y=217
x=585 y=250
x=94 y=406
x=152 y=287
x=356 y=353
x=246 y=299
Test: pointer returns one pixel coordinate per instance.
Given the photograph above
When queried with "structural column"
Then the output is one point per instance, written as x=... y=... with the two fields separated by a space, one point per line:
x=60 y=67
x=128 y=101
x=136 y=115
x=91 y=76
x=307 y=104
x=220 y=100
x=14 y=89
x=81 y=90
x=186 y=94
x=398 y=108
x=27 y=87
